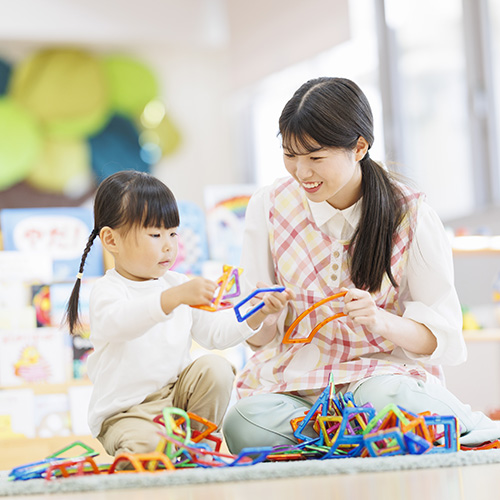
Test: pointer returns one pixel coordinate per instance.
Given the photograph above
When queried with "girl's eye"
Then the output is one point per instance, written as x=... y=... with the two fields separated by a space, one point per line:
x=315 y=158
x=173 y=234
x=289 y=155
x=155 y=235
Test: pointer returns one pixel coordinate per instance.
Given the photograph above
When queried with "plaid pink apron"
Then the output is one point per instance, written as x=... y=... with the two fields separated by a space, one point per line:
x=340 y=346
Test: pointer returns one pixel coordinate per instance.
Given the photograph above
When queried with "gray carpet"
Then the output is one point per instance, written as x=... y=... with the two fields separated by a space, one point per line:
x=260 y=471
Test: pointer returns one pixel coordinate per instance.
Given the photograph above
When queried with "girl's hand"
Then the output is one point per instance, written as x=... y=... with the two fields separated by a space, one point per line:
x=195 y=292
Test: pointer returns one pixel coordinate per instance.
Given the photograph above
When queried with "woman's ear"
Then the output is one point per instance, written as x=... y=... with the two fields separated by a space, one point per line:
x=109 y=239
x=361 y=148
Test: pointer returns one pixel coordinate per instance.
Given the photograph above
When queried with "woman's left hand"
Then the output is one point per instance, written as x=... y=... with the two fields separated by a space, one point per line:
x=362 y=310
x=403 y=332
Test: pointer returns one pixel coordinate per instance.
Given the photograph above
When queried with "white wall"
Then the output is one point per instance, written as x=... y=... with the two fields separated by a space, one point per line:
x=203 y=51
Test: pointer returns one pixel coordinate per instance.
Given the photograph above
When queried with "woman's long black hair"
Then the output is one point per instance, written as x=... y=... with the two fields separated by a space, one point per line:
x=123 y=200
x=334 y=112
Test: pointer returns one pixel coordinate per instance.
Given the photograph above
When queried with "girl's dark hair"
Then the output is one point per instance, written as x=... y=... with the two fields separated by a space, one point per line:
x=334 y=113
x=123 y=200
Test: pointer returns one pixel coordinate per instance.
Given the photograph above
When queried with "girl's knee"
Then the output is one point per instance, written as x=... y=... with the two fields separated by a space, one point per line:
x=215 y=367
x=131 y=436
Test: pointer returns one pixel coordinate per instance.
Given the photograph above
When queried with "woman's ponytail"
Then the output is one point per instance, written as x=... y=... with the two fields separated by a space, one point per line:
x=382 y=212
x=72 y=310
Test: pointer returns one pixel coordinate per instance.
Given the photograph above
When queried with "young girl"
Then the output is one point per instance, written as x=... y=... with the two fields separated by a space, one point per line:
x=141 y=325
x=342 y=222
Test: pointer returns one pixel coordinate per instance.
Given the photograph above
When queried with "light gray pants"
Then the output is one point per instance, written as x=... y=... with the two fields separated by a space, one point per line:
x=264 y=419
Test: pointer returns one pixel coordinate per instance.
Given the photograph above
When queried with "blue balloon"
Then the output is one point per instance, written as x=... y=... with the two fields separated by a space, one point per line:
x=5 y=71
x=116 y=147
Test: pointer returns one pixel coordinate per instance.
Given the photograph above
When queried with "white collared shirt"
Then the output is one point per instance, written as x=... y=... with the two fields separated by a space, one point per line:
x=426 y=292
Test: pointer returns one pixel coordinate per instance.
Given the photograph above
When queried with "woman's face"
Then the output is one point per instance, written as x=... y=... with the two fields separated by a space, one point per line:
x=327 y=174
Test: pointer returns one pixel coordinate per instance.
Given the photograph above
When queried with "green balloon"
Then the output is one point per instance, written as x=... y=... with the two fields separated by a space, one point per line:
x=20 y=142
x=132 y=84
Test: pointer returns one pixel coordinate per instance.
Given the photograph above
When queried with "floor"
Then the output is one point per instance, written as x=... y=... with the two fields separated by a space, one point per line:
x=455 y=483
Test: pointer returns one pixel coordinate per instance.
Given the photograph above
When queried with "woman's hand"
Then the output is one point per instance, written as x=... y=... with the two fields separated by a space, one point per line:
x=274 y=303
x=403 y=332
x=362 y=310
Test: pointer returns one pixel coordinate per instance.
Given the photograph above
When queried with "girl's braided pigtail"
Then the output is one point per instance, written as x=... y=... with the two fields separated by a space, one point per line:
x=72 y=309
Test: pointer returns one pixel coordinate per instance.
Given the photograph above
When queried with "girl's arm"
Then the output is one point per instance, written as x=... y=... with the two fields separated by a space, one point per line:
x=220 y=330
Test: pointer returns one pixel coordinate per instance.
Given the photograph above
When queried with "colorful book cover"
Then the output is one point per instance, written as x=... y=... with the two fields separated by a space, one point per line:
x=41 y=303
x=226 y=207
x=32 y=356
x=60 y=233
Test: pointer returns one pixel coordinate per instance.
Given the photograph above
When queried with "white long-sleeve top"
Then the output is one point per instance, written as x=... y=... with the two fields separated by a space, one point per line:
x=138 y=348
x=426 y=292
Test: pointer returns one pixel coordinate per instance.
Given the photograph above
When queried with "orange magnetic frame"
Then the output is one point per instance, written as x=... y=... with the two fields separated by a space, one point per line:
x=306 y=340
x=230 y=276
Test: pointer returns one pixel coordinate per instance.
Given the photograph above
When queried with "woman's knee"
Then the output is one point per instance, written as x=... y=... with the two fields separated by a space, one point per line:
x=262 y=420
x=379 y=391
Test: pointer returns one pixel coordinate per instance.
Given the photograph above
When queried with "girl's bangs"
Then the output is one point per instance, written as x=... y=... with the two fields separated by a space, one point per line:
x=160 y=213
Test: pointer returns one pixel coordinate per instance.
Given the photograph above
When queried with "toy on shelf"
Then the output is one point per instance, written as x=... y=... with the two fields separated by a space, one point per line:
x=287 y=338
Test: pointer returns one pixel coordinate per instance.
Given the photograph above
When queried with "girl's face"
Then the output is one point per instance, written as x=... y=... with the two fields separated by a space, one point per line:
x=327 y=174
x=145 y=253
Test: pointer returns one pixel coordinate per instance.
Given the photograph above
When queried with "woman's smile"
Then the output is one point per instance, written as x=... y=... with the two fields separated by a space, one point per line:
x=311 y=187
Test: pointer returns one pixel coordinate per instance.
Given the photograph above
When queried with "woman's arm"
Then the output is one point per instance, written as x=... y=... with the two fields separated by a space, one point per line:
x=405 y=333
x=430 y=328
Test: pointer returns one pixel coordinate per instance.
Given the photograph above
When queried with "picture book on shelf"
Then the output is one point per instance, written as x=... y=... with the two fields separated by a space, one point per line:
x=226 y=207
x=32 y=356
x=59 y=233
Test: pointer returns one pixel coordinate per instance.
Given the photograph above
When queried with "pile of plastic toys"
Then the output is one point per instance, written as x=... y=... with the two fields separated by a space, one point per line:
x=341 y=430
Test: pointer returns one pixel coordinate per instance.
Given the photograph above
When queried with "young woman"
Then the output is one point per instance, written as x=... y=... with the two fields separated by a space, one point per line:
x=342 y=222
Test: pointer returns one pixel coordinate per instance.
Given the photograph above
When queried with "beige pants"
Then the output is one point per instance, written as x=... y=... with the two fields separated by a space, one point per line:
x=203 y=388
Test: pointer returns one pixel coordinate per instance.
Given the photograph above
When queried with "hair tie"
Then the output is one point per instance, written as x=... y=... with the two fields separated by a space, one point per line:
x=79 y=276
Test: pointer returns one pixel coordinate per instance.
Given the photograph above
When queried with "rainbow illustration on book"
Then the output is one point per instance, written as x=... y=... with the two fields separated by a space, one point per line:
x=237 y=205
x=226 y=208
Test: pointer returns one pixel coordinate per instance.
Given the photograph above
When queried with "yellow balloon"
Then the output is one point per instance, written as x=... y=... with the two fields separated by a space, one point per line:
x=67 y=89
x=63 y=167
